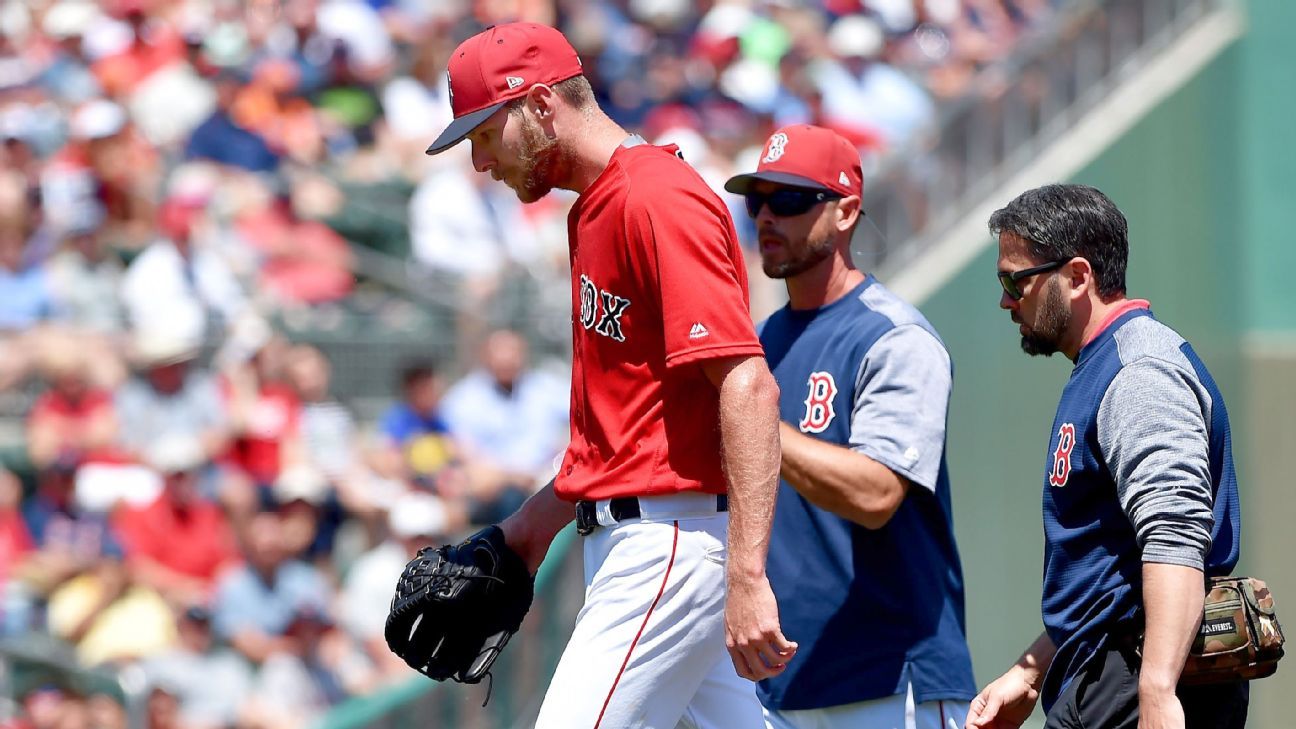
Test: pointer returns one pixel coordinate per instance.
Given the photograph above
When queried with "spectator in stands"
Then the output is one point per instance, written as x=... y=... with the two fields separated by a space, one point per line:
x=170 y=396
x=26 y=298
x=179 y=283
x=78 y=566
x=73 y=420
x=302 y=262
x=153 y=45
x=224 y=139
x=67 y=74
x=264 y=413
x=467 y=231
x=85 y=277
x=328 y=428
x=208 y=681
x=415 y=437
x=309 y=514
x=68 y=540
x=179 y=543
x=508 y=421
x=257 y=602
x=860 y=89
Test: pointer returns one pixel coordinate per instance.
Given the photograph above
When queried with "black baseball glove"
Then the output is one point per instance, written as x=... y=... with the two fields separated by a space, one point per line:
x=456 y=606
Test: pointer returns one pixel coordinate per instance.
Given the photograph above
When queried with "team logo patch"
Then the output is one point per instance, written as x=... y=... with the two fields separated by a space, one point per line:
x=819 y=403
x=776 y=147
x=1061 y=470
x=514 y=81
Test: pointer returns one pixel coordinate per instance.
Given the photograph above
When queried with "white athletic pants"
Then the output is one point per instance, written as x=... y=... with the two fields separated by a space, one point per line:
x=648 y=649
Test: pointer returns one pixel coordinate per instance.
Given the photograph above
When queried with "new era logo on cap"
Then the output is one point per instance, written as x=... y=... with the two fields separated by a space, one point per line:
x=498 y=65
x=842 y=178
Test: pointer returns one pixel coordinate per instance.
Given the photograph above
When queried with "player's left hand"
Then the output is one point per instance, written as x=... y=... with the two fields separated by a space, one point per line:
x=1160 y=710
x=752 y=633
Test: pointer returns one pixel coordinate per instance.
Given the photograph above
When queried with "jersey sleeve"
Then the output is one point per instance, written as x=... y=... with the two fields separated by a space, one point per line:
x=693 y=268
x=1153 y=434
x=902 y=397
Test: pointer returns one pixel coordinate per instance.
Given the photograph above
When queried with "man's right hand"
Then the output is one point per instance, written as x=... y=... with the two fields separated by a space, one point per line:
x=1004 y=704
x=752 y=634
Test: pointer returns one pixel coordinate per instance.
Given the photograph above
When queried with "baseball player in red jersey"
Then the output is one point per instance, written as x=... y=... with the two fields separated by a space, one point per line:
x=673 y=464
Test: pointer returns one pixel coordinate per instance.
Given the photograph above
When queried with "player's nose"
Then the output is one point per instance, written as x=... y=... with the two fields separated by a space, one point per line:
x=1007 y=302
x=481 y=161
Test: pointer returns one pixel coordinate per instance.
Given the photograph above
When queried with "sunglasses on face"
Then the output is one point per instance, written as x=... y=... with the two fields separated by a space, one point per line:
x=787 y=202
x=1009 y=279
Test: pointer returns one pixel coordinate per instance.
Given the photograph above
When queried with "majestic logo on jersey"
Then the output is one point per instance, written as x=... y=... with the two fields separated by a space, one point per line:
x=1061 y=470
x=819 y=403
x=777 y=143
x=699 y=331
x=608 y=321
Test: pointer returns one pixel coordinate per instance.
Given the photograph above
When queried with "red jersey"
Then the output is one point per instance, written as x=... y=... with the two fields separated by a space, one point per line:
x=658 y=285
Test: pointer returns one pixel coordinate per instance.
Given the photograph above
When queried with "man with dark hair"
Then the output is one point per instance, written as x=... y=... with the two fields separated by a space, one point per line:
x=674 y=447
x=418 y=411
x=1140 y=497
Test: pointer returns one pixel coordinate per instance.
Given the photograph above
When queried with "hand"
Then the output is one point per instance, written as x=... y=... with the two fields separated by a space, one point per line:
x=1160 y=709
x=752 y=634
x=1004 y=704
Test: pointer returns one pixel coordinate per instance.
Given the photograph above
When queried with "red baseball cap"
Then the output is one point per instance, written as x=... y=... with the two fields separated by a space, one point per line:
x=498 y=65
x=801 y=155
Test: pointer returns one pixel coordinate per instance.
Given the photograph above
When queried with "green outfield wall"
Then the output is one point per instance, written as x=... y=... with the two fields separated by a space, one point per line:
x=1208 y=182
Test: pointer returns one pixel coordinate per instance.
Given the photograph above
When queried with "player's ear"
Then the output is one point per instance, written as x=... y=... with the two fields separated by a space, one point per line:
x=541 y=98
x=1079 y=274
x=848 y=212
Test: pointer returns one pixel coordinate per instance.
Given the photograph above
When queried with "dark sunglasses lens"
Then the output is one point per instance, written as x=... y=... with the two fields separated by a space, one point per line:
x=754 y=203
x=787 y=203
x=1010 y=286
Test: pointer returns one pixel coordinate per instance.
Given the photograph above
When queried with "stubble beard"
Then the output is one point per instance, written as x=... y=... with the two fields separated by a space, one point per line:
x=1053 y=319
x=814 y=252
x=539 y=161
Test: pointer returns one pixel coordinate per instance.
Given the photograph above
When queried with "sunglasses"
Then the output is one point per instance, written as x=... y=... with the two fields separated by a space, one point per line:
x=1008 y=279
x=787 y=202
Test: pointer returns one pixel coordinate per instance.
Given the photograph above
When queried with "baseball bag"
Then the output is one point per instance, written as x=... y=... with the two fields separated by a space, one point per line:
x=1240 y=638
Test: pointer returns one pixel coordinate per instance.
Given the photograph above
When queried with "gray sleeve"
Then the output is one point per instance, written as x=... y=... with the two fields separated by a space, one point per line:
x=901 y=399
x=1152 y=431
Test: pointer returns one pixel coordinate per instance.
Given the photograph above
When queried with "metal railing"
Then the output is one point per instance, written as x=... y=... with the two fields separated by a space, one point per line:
x=1014 y=110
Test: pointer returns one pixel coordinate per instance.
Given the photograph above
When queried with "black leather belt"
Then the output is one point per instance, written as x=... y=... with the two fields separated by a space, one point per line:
x=623 y=508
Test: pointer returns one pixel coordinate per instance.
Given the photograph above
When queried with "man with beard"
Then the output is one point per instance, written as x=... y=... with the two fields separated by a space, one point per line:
x=1140 y=499
x=674 y=439
x=862 y=556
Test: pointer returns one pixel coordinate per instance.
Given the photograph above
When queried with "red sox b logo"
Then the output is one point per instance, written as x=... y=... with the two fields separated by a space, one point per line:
x=819 y=403
x=1062 y=456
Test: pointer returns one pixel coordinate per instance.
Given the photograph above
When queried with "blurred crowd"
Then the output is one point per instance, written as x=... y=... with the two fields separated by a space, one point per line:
x=232 y=530
x=179 y=177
